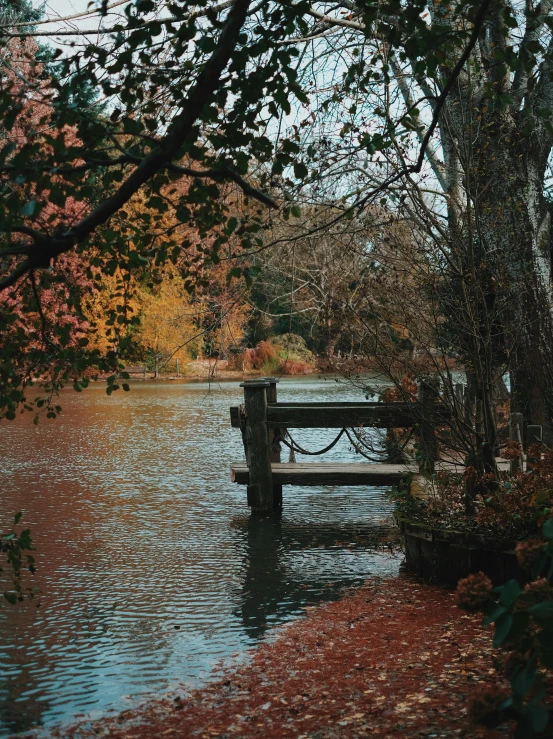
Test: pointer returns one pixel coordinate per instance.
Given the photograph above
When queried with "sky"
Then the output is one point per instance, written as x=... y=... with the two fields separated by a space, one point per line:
x=61 y=8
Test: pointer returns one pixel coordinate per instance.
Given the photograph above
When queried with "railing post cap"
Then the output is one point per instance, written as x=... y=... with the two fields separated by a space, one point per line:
x=269 y=379
x=254 y=383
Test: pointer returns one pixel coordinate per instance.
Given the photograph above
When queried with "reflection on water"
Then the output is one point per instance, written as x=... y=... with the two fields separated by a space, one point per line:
x=150 y=567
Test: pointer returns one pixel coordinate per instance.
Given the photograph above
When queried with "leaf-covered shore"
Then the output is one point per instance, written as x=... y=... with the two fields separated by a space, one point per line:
x=396 y=658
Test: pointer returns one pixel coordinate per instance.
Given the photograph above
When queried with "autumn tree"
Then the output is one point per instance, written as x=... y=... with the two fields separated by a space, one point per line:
x=320 y=285
x=166 y=324
x=204 y=93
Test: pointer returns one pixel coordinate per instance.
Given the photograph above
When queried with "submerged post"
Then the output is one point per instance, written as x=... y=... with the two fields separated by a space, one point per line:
x=274 y=439
x=260 y=487
x=428 y=397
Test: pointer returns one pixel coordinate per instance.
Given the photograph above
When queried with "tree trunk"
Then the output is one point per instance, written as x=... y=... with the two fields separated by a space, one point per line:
x=514 y=225
x=502 y=228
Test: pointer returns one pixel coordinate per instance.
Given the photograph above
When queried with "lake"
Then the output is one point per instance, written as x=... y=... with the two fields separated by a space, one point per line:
x=151 y=570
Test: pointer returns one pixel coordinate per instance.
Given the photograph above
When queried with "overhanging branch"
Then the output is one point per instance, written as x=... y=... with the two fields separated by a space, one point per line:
x=223 y=173
x=159 y=158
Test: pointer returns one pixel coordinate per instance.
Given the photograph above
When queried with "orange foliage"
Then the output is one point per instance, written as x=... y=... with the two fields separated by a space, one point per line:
x=407 y=390
x=264 y=353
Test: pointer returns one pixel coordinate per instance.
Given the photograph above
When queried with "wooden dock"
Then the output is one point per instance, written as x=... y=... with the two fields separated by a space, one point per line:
x=264 y=425
x=333 y=473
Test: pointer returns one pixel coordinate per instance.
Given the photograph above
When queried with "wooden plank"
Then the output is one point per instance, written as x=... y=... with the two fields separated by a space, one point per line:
x=326 y=474
x=331 y=416
x=332 y=473
x=340 y=415
x=235 y=417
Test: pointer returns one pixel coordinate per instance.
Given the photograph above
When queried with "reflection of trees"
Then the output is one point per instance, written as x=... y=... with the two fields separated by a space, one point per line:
x=17 y=713
x=268 y=590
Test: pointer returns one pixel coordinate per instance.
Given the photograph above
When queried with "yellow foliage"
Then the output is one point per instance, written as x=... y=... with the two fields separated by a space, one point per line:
x=98 y=304
x=167 y=322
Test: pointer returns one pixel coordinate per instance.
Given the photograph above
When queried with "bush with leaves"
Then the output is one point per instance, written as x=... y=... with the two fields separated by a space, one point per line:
x=511 y=507
x=15 y=545
x=523 y=628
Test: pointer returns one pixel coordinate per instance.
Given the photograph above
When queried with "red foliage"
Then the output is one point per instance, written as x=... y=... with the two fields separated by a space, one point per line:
x=512 y=450
x=406 y=391
x=295 y=368
x=263 y=353
x=60 y=287
x=394 y=659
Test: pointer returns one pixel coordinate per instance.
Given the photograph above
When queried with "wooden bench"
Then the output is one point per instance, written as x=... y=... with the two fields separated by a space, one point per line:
x=138 y=370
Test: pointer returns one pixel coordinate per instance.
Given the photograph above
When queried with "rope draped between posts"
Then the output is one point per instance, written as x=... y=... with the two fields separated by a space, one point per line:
x=358 y=449
x=356 y=444
x=295 y=447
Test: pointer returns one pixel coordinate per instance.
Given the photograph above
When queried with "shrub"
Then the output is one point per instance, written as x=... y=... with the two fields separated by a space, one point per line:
x=511 y=507
x=292 y=347
x=262 y=356
x=523 y=621
x=285 y=355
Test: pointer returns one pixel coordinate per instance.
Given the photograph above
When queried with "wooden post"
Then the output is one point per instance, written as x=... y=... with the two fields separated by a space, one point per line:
x=515 y=433
x=533 y=436
x=428 y=396
x=260 y=488
x=459 y=395
x=274 y=438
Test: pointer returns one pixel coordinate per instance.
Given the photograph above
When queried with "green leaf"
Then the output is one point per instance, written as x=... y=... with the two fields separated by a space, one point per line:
x=524 y=679
x=11 y=596
x=547 y=529
x=17 y=518
x=509 y=592
x=502 y=628
x=542 y=610
x=494 y=614
x=300 y=170
x=539 y=717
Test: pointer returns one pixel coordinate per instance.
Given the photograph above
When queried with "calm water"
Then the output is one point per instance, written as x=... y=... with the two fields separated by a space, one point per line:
x=150 y=568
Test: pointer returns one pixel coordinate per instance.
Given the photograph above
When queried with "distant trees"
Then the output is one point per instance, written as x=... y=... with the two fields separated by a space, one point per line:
x=324 y=284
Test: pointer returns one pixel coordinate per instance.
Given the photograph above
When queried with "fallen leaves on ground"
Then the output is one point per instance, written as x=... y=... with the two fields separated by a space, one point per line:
x=393 y=659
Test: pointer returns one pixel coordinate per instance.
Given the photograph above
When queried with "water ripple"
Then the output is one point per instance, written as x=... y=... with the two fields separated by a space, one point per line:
x=150 y=569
